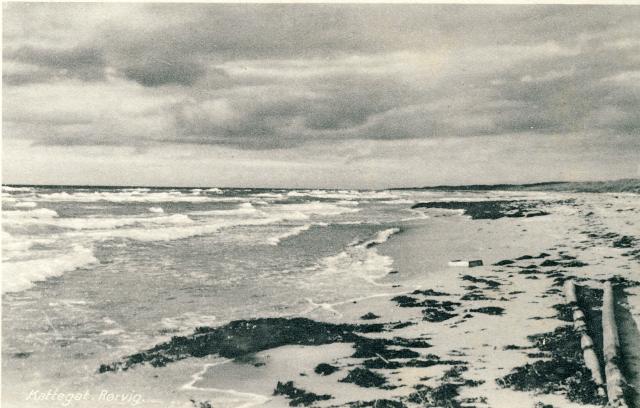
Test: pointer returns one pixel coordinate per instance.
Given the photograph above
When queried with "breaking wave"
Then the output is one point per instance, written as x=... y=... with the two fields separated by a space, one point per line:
x=21 y=275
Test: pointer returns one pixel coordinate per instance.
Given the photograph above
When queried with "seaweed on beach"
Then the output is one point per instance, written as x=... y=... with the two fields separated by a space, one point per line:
x=364 y=377
x=475 y=295
x=434 y=310
x=563 y=372
x=624 y=242
x=489 y=282
x=429 y=292
x=480 y=210
x=369 y=316
x=445 y=394
x=298 y=396
x=325 y=369
x=244 y=337
x=490 y=310
x=380 y=363
x=379 y=403
x=370 y=348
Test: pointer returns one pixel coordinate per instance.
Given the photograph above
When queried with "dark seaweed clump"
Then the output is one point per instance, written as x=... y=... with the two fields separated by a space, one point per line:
x=372 y=348
x=379 y=403
x=490 y=310
x=490 y=283
x=364 y=377
x=445 y=394
x=565 y=371
x=298 y=396
x=624 y=242
x=243 y=337
x=480 y=210
x=325 y=369
x=369 y=316
x=429 y=292
x=434 y=310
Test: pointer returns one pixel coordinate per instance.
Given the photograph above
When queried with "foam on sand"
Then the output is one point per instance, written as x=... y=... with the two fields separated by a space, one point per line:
x=18 y=276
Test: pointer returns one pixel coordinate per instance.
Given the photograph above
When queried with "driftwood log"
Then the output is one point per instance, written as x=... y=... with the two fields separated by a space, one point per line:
x=611 y=349
x=586 y=343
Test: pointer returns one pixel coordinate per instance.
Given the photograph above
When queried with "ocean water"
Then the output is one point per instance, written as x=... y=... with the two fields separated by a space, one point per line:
x=91 y=274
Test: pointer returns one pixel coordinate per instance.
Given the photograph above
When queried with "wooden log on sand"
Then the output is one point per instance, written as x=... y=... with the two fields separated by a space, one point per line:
x=610 y=348
x=586 y=343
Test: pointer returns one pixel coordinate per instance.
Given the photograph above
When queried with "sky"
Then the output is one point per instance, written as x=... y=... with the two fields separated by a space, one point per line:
x=318 y=95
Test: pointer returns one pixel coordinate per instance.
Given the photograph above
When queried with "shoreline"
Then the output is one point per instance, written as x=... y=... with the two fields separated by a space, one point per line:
x=440 y=335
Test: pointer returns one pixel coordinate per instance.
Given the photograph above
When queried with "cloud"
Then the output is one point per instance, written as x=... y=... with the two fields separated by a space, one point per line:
x=160 y=72
x=84 y=63
x=258 y=77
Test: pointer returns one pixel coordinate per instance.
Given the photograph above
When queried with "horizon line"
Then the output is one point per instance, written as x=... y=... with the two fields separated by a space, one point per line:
x=311 y=188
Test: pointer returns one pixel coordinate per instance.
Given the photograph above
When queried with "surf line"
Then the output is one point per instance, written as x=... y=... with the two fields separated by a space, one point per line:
x=254 y=399
x=330 y=306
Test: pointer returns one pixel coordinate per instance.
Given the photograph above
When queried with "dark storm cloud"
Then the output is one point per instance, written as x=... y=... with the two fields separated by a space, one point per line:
x=85 y=63
x=281 y=75
x=160 y=72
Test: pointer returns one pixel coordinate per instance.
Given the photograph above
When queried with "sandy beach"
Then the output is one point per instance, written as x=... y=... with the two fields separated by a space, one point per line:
x=490 y=336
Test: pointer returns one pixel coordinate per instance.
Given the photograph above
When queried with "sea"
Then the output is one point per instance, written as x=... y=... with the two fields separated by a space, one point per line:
x=92 y=274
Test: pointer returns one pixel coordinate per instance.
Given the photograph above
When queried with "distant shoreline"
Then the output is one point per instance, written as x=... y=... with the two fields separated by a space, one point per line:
x=615 y=186
x=630 y=185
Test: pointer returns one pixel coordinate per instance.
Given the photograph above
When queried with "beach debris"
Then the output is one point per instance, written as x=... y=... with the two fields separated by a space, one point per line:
x=586 y=343
x=616 y=383
x=298 y=396
x=466 y=264
x=564 y=371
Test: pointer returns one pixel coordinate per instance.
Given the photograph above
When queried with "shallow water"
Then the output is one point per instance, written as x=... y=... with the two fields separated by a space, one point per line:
x=90 y=275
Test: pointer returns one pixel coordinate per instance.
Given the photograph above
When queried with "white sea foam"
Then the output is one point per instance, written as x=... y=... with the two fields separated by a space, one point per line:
x=360 y=260
x=157 y=210
x=40 y=213
x=397 y=201
x=243 y=209
x=49 y=217
x=18 y=246
x=293 y=232
x=10 y=189
x=25 y=204
x=345 y=194
x=21 y=275
x=382 y=236
x=187 y=321
x=214 y=190
x=315 y=208
x=124 y=197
